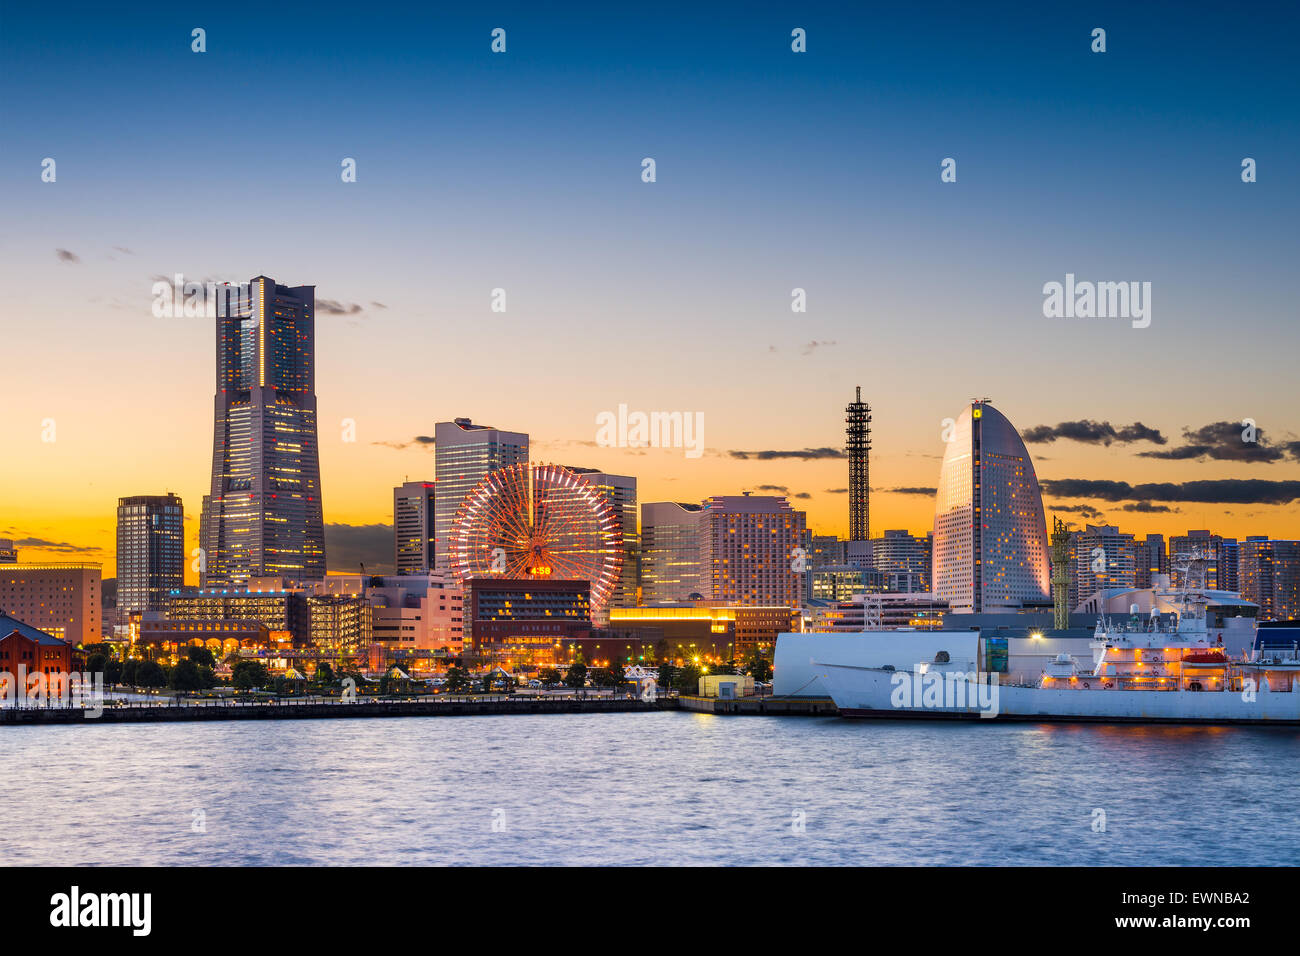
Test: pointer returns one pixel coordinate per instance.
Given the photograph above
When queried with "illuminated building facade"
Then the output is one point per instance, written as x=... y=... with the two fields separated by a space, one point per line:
x=418 y=612
x=703 y=629
x=8 y=552
x=413 y=527
x=1269 y=575
x=526 y=621
x=904 y=558
x=278 y=609
x=749 y=544
x=620 y=492
x=1101 y=557
x=1223 y=554
x=990 y=537
x=62 y=600
x=150 y=551
x=263 y=514
x=465 y=454
x=672 y=566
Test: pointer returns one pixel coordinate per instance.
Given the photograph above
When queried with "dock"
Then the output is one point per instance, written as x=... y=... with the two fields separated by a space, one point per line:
x=761 y=706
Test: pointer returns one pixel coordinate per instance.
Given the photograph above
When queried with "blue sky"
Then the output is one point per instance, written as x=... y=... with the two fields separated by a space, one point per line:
x=775 y=170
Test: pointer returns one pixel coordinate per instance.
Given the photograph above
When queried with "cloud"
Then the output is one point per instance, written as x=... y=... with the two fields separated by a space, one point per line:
x=333 y=307
x=1088 y=511
x=836 y=491
x=910 y=491
x=426 y=440
x=66 y=256
x=1148 y=508
x=1226 y=441
x=1255 y=491
x=1092 y=433
x=807 y=454
x=45 y=545
x=351 y=545
x=379 y=305
x=779 y=489
x=124 y=249
x=801 y=495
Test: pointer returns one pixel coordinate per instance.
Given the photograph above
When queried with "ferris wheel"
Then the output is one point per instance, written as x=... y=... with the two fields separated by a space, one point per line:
x=543 y=521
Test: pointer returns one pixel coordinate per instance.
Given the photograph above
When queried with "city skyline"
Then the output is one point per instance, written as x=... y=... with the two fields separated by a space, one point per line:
x=817 y=171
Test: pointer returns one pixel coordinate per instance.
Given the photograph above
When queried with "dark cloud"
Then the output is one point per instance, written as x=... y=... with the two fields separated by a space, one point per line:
x=910 y=491
x=426 y=440
x=46 y=545
x=807 y=454
x=66 y=256
x=1147 y=507
x=1226 y=441
x=351 y=545
x=1092 y=433
x=801 y=495
x=836 y=491
x=1255 y=491
x=779 y=489
x=1088 y=511
x=332 y=307
x=379 y=305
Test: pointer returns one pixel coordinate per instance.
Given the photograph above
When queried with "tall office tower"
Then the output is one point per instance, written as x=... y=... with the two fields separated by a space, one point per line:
x=990 y=539
x=1151 y=559
x=465 y=454
x=620 y=492
x=263 y=514
x=672 y=561
x=904 y=559
x=150 y=551
x=413 y=530
x=8 y=551
x=1101 y=557
x=748 y=546
x=858 y=448
x=1269 y=575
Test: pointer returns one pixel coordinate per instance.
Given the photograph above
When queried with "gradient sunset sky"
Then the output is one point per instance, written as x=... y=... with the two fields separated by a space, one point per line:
x=775 y=170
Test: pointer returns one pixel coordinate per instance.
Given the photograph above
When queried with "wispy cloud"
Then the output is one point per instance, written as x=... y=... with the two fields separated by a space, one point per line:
x=67 y=256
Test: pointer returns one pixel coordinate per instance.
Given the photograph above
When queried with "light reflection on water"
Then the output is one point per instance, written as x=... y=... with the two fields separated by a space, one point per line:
x=663 y=788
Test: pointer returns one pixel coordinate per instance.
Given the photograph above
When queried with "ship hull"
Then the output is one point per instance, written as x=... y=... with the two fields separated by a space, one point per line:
x=872 y=692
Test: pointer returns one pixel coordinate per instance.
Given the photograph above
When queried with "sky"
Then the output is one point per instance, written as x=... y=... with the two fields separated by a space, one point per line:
x=775 y=170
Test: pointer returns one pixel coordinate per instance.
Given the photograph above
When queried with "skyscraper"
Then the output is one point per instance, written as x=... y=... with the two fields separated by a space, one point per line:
x=749 y=549
x=465 y=454
x=620 y=492
x=263 y=516
x=672 y=563
x=858 y=448
x=1269 y=573
x=150 y=551
x=904 y=559
x=990 y=539
x=1101 y=557
x=413 y=529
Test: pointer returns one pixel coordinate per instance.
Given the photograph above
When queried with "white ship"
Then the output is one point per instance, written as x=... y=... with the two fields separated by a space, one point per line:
x=1152 y=670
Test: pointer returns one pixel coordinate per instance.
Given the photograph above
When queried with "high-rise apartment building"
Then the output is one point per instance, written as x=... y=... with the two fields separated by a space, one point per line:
x=620 y=492
x=150 y=551
x=1101 y=556
x=8 y=551
x=413 y=526
x=1150 y=559
x=749 y=545
x=990 y=538
x=1269 y=575
x=673 y=565
x=263 y=516
x=1222 y=554
x=465 y=454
